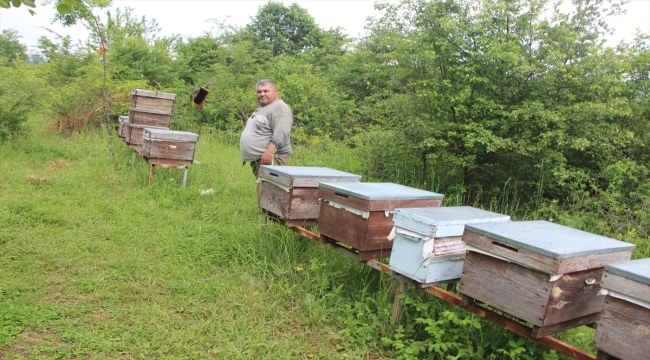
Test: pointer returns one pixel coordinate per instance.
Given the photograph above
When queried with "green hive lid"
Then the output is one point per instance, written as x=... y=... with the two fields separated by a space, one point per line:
x=308 y=172
x=381 y=191
x=549 y=239
x=637 y=270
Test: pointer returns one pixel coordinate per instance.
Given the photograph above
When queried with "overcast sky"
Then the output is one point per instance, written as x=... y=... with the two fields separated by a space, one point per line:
x=188 y=17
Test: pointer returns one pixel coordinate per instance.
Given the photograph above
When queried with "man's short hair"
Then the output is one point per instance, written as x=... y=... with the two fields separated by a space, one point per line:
x=265 y=82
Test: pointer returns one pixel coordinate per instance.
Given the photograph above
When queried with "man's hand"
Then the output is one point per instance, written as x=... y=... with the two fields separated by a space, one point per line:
x=267 y=158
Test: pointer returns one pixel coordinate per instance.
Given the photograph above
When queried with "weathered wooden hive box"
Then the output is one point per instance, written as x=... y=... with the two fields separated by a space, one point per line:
x=428 y=246
x=134 y=134
x=624 y=325
x=122 y=124
x=151 y=108
x=538 y=271
x=360 y=215
x=291 y=192
x=168 y=146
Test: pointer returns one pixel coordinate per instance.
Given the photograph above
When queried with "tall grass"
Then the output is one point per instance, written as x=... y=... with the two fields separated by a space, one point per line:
x=96 y=264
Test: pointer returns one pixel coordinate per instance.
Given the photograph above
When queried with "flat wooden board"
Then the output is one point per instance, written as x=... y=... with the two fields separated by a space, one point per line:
x=149 y=118
x=540 y=332
x=623 y=330
x=626 y=286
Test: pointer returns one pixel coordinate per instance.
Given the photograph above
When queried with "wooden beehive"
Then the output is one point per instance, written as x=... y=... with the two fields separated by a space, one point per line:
x=168 y=146
x=151 y=108
x=428 y=246
x=122 y=124
x=360 y=215
x=538 y=271
x=134 y=134
x=624 y=326
x=291 y=192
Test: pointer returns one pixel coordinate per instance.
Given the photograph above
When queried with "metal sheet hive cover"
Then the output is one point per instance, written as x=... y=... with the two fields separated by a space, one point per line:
x=637 y=270
x=440 y=217
x=164 y=133
x=381 y=191
x=308 y=172
x=549 y=239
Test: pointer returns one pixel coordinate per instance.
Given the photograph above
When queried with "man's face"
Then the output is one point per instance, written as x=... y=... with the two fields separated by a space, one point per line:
x=266 y=94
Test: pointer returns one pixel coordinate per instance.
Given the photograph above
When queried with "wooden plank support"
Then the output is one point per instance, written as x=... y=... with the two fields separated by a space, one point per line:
x=512 y=325
x=398 y=305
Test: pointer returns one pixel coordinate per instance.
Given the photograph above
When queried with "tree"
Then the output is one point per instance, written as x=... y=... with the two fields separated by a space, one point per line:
x=10 y=47
x=6 y=4
x=283 y=30
x=516 y=105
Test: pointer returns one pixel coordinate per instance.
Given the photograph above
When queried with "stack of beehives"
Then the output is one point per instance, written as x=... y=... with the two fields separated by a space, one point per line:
x=149 y=109
x=146 y=129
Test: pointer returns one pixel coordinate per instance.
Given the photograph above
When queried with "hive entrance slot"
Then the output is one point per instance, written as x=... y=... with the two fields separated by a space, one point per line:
x=505 y=246
x=341 y=195
x=272 y=174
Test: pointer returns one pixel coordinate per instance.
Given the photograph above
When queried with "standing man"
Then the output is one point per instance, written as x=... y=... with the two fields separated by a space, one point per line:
x=266 y=137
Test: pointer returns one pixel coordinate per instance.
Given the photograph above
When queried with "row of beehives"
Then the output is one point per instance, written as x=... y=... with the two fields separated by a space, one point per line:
x=551 y=276
x=146 y=129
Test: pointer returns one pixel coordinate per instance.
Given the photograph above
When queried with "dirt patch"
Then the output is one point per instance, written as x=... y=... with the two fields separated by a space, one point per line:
x=25 y=342
x=58 y=164
x=111 y=177
x=37 y=179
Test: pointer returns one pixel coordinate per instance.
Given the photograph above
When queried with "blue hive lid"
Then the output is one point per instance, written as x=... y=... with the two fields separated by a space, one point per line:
x=308 y=172
x=549 y=239
x=381 y=191
x=637 y=270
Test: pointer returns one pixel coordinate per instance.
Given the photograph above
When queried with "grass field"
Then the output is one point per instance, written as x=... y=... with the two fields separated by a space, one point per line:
x=96 y=264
